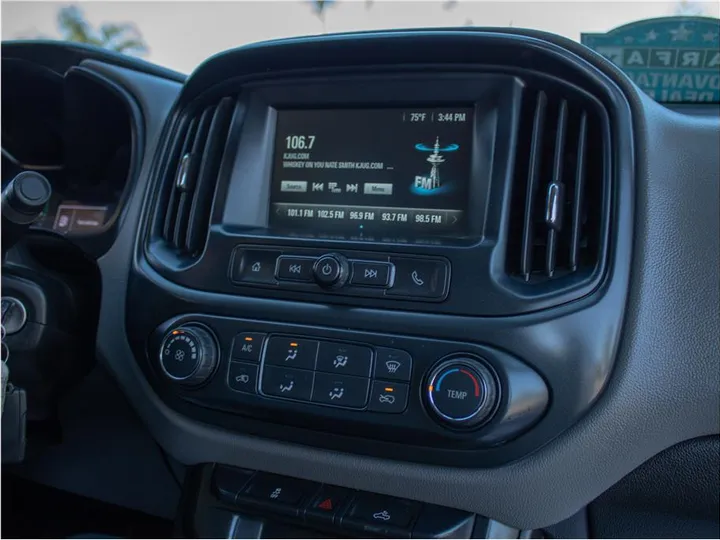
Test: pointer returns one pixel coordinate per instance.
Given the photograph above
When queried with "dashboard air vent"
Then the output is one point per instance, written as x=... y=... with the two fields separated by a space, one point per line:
x=559 y=190
x=191 y=176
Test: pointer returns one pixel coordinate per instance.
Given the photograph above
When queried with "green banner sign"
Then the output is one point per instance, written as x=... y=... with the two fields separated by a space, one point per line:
x=672 y=59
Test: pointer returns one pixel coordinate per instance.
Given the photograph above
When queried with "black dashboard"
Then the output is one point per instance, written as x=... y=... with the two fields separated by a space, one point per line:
x=489 y=284
x=83 y=132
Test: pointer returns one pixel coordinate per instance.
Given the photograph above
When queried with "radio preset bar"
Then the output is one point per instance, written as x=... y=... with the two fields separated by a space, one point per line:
x=346 y=214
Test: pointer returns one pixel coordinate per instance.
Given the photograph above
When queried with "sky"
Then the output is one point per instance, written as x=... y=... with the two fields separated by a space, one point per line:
x=181 y=35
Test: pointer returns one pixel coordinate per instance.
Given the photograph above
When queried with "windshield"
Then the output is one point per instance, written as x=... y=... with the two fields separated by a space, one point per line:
x=180 y=35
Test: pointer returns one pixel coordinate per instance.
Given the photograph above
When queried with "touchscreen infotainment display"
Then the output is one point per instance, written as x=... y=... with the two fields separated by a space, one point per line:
x=372 y=169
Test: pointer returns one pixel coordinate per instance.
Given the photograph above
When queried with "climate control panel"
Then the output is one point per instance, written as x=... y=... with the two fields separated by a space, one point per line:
x=402 y=389
x=329 y=373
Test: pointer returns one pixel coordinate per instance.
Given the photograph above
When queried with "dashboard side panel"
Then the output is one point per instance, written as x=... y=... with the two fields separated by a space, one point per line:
x=674 y=495
x=663 y=389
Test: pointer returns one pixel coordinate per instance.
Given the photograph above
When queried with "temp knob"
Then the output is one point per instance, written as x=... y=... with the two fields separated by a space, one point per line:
x=189 y=355
x=331 y=271
x=462 y=392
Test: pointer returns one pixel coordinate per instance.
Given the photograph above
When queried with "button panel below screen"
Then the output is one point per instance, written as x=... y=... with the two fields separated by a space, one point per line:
x=371 y=275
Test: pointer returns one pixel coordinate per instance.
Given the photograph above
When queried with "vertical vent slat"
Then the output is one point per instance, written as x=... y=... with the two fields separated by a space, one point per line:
x=214 y=146
x=180 y=149
x=533 y=181
x=560 y=186
x=190 y=176
x=554 y=203
x=579 y=195
x=185 y=196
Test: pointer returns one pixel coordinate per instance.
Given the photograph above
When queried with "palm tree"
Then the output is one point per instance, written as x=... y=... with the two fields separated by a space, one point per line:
x=120 y=37
x=319 y=7
x=688 y=8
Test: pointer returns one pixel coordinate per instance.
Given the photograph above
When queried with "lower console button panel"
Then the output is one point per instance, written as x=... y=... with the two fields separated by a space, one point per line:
x=411 y=391
x=339 y=510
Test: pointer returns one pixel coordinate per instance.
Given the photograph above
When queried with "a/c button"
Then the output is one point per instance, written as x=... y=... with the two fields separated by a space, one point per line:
x=247 y=346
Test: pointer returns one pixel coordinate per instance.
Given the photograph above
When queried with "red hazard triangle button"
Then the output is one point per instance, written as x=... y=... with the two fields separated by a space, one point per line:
x=327 y=503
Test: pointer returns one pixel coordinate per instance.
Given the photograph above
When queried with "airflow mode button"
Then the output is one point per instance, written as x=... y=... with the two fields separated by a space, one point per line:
x=344 y=359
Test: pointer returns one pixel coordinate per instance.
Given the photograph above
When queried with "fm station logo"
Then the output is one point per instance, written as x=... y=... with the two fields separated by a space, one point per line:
x=432 y=183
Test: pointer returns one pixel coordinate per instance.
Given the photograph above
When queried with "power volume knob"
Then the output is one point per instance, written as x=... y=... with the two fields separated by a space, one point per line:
x=189 y=355
x=331 y=271
x=462 y=392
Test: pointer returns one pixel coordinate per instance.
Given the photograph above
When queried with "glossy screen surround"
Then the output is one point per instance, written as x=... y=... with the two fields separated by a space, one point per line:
x=240 y=212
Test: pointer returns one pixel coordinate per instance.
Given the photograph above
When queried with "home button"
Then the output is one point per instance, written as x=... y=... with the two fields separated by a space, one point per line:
x=255 y=266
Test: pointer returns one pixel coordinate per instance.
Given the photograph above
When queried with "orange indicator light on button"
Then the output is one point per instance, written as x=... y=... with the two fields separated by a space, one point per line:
x=388 y=389
x=293 y=344
x=248 y=339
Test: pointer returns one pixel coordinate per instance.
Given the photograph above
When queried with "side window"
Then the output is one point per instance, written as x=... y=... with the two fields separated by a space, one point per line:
x=672 y=59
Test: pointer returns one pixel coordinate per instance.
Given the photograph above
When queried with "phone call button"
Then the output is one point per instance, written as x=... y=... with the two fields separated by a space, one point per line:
x=422 y=278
